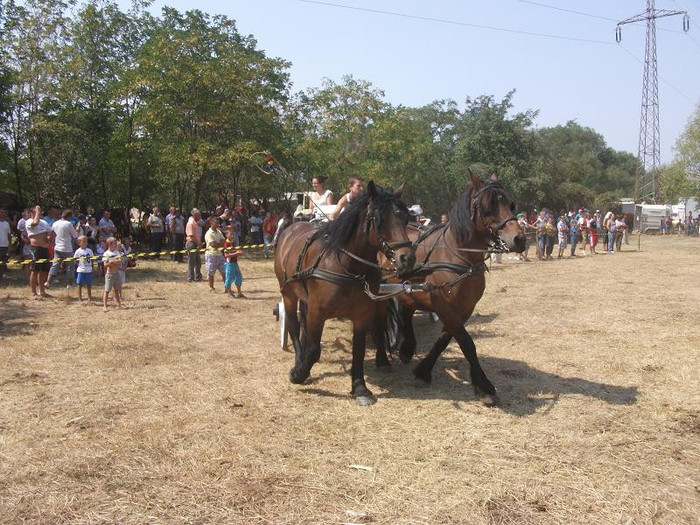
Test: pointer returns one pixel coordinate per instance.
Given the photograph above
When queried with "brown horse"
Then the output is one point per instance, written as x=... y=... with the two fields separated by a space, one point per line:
x=451 y=261
x=327 y=271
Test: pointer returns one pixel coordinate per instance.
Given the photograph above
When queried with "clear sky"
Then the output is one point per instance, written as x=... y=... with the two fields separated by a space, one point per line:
x=453 y=49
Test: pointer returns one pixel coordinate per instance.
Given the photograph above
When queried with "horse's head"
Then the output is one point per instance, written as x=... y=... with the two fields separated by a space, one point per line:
x=387 y=217
x=492 y=209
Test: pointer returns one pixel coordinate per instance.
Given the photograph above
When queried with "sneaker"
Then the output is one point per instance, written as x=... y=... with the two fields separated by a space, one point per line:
x=241 y=296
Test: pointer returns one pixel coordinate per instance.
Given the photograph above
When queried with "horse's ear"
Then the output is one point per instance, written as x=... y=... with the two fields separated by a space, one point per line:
x=371 y=189
x=400 y=189
x=476 y=181
x=494 y=176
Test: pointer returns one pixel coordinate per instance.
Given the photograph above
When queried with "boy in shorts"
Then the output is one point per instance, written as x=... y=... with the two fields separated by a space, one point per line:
x=83 y=256
x=112 y=259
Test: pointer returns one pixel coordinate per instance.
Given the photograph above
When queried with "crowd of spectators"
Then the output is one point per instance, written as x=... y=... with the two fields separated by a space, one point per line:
x=571 y=230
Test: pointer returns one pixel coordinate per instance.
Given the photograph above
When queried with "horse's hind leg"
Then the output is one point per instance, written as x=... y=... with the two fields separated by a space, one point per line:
x=380 y=337
x=408 y=346
x=311 y=339
x=292 y=322
x=362 y=394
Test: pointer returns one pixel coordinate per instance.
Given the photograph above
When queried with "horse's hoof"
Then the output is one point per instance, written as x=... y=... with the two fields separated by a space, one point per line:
x=364 y=401
x=419 y=382
x=296 y=377
x=405 y=359
x=489 y=400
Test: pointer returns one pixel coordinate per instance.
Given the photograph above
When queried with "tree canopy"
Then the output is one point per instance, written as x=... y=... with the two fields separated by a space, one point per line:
x=105 y=107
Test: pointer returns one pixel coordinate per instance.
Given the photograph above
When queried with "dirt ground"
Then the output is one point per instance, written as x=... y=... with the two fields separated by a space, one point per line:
x=179 y=409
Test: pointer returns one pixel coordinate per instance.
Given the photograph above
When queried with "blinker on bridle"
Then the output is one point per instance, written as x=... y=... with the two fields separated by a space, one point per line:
x=387 y=249
x=476 y=207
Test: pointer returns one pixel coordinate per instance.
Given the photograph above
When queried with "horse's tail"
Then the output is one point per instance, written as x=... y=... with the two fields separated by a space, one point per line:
x=393 y=330
x=284 y=222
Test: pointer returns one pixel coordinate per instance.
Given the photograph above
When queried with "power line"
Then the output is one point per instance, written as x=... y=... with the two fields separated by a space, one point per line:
x=540 y=4
x=661 y=77
x=567 y=10
x=452 y=22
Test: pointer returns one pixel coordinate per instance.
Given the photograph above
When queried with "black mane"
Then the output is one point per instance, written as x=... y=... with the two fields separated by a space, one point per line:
x=337 y=233
x=461 y=222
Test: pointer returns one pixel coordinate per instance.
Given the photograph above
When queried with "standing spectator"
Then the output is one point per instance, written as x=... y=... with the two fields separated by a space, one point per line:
x=529 y=232
x=39 y=234
x=609 y=217
x=609 y=223
x=562 y=231
x=444 y=218
x=214 y=256
x=689 y=223
x=620 y=227
x=112 y=260
x=106 y=227
x=25 y=251
x=53 y=215
x=269 y=227
x=233 y=272
x=83 y=256
x=193 y=242
x=177 y=233
x=169 y=231
x=540 y=224
x=583 y=227
x=92 y=233
x=156 y=227
x=255 y=222
x=662 y=226
x=5 y=239
x=64 y=234
x=236 y=221
x=669 y=225
x=593 y=226
x=550 y=235
x=574 y=230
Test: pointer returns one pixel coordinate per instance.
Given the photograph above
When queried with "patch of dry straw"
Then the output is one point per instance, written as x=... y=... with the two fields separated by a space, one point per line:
x=179 y=410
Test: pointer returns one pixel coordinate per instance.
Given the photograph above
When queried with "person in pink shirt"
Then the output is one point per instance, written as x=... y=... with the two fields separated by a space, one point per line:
x=193 y=243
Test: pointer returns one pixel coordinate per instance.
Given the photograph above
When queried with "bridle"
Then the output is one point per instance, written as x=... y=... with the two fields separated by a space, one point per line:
x=389 y=250
x=476 y=207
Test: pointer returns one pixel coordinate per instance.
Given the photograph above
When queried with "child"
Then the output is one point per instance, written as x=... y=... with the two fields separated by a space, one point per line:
x=83 y=255
x=574 y=230
x=593 y=238
x=233 y=272
x=112 y=259
x=562 y=230
x=131 y=259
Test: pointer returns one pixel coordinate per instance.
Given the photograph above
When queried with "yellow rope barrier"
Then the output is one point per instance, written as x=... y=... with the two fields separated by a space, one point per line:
x=98 y=258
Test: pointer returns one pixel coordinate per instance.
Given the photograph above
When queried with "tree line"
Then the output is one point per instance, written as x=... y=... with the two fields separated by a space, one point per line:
x=106 y=108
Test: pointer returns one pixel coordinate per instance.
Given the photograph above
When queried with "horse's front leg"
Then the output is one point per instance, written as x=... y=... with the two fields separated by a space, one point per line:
x=483 y=388
x=424 y=370
x=362 y=394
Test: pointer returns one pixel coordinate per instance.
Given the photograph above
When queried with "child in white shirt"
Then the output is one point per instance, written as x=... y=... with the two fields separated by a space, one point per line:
x=83 y=256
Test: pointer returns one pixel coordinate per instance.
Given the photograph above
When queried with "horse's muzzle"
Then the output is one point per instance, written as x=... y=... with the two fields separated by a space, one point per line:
x=404 y=259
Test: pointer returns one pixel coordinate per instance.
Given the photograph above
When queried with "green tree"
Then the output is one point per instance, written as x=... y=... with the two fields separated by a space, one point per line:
x=687 y=160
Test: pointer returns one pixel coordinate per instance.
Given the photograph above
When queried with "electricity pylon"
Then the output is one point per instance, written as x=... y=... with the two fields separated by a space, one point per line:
x=646 y=182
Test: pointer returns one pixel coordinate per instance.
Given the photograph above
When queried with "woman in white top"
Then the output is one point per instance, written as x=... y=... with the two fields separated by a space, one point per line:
x=320 y=196
x=356 y=185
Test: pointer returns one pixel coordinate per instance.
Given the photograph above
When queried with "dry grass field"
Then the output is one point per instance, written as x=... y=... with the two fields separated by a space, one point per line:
x=179 y=410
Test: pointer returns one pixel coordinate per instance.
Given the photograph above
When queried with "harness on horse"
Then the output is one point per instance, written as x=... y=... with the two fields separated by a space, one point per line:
x=463 y=271
x=374 y=274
